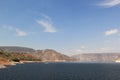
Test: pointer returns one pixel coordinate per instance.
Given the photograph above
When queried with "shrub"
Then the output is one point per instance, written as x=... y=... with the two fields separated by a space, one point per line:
x=15 y=59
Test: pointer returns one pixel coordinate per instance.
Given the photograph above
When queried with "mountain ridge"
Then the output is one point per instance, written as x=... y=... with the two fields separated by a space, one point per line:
x=45 y=55
x=52 y=55
x=97 y=57
x=17 y=49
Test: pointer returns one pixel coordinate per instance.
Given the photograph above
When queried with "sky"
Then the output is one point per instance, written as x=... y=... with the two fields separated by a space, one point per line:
x=68 y=26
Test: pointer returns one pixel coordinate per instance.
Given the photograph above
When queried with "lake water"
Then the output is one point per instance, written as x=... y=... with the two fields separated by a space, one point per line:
x=62 y=71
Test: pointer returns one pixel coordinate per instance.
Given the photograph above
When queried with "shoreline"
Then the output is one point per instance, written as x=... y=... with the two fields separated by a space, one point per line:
x=2 y=66
x=7 y=64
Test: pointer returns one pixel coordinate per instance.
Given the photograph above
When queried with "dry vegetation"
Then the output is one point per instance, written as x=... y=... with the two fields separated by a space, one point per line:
x=6 y=58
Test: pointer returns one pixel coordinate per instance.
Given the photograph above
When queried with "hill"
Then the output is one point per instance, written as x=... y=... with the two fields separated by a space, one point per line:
x=97 y=57
x=51 y=55
x=17 y=49
x=7 y=58
x=44 y=55
x=21 y=56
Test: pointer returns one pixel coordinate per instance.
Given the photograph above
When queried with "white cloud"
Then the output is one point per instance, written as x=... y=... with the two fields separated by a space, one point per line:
x=109 y=3
x=111 y=32
x=20 y=32
x=47 y=24
x=46 y=17
x=82 y=47
x=7 y=27
x=106 y=49
x=75 y=52
x=78 y=50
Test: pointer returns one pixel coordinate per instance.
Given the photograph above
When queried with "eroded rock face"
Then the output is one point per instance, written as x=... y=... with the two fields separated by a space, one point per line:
x=97 y=57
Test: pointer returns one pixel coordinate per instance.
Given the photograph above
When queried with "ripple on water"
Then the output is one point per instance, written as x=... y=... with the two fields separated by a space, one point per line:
x=61 y=71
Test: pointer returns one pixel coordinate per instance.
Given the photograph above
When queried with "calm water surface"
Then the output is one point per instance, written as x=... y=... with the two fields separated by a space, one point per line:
x=62 y=71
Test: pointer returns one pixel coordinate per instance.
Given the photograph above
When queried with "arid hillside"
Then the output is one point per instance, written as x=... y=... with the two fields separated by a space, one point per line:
x=52 y=55
x=24 y=53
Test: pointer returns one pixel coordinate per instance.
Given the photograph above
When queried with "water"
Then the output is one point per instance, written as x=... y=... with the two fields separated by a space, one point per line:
x=62 y=71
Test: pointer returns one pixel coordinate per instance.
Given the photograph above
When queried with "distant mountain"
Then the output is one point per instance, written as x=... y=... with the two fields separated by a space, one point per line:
x=17 y=49
x=97 y=57
x=51 y=55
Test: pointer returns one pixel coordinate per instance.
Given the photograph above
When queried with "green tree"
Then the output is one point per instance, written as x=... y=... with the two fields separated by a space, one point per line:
x=15 y=59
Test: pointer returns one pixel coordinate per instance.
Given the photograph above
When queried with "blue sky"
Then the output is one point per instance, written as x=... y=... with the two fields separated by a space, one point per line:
x=68 y=26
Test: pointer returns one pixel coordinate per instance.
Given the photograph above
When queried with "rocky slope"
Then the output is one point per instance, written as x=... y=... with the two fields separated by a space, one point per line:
x=44 y=55
x=17 y=49
x=51 y=55
x=97 y=57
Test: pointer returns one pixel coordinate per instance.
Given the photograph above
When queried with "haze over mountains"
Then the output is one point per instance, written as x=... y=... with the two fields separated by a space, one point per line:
x=52 y=55
x=97 y=57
